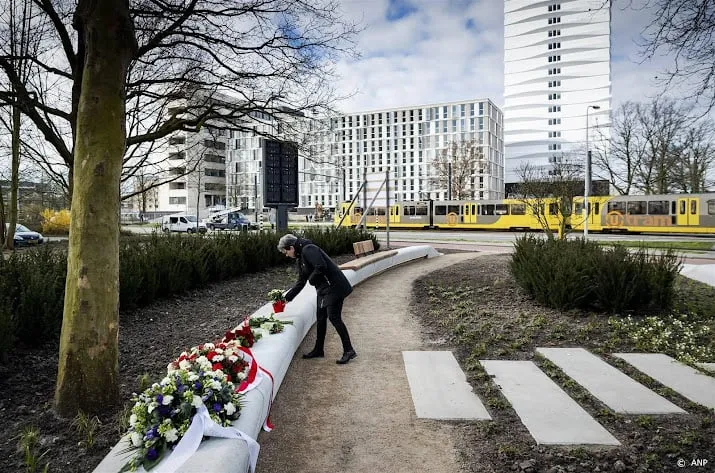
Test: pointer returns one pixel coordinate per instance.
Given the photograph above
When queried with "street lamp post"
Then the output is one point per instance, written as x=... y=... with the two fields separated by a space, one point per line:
x=587 y=177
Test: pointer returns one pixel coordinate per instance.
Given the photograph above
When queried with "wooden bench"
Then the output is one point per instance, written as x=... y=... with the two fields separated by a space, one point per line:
x=362 y=248
x=365 y=254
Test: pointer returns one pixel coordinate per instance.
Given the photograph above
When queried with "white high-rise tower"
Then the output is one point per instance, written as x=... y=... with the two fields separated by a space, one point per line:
x=556 y=67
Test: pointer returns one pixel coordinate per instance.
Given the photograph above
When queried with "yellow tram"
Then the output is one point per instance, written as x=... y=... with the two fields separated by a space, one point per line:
x=673 y=213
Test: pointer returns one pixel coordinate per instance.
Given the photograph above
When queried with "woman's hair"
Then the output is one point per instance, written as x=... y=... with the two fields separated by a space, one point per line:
x=287 y=241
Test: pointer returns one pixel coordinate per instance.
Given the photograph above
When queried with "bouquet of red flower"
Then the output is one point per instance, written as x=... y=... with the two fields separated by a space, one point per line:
x=243 y=335
x=226 y=357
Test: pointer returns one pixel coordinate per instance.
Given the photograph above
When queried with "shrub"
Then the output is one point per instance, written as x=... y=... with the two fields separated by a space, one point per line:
x=567 y=274
x=56 y=222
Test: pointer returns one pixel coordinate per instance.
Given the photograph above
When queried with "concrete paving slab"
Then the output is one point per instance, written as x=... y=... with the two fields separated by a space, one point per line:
x=700 y=272
x=608 y=384
x=439 y=387
x=550 y=415
x=707 y=366
x=687 y=381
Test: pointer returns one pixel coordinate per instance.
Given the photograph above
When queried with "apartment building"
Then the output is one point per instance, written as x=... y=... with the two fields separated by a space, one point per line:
x=409 y=139
x=198 y=160
x=556 y=76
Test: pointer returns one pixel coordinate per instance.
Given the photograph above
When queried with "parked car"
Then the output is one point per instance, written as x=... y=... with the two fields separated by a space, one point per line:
x=231 y=221
x=26 y=237
x=182 y=223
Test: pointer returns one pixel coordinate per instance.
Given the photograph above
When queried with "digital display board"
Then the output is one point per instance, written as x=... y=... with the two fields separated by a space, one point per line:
x=280 y=173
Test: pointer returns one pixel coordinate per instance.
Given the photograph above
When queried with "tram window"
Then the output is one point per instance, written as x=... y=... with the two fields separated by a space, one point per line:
x=358 y=210
x=711 y=207
x=454 y=209
x=637 y=207
x=539 y=209
x=380 y=211
x=501 y=209
x=421 y=210
x=578 y=208
x=474 y=209
x=682 y=207
x=596 y=208
x=440 y=210
x=658 y=207
x=619 y=207
x=488 y=209
x=672 y=207
x=408 y=210
x=553 y=208
x=518 y=209
x=693 y=207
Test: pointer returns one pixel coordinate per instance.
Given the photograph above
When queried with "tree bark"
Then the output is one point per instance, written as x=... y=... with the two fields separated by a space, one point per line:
x=87 y=377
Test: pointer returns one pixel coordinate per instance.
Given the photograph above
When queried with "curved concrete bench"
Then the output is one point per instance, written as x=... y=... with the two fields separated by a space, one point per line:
x=274 y=353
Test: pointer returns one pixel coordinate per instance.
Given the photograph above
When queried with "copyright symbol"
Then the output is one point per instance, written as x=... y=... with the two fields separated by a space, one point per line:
x=680 y=462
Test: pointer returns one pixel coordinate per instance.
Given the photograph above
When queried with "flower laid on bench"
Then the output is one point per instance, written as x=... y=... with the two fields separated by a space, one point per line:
x=224 y=357
x=162 y=413
x=270 y=324
x=278 y=299
x=243 y=334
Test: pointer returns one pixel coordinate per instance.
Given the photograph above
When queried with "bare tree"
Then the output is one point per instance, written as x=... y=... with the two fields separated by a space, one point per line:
x=695 y=159
x=618 y=159
x=662 y=123
x=264 y=56
x=88 y=370
x=549 y=191
x=686 y=32
x=455 y=166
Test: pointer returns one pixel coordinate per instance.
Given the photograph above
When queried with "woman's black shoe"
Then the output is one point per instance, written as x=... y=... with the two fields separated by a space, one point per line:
x=313 y=354
x=347 y=356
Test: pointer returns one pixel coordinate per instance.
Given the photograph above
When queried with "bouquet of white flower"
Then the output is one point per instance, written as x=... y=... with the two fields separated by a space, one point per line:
x=162 y=414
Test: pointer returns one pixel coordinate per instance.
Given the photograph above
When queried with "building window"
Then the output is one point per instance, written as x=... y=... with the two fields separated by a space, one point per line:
x=554 y=121
x=554 y=20
x=554 y=134
x=554 y=83
x=554 y=146
x=554 y=33
x=554 y=96
x=554 y=70
x=554 y=45
x=554 y=7
x=554 y=108
x=177 y=185
x=177 y=200
x=554 y=58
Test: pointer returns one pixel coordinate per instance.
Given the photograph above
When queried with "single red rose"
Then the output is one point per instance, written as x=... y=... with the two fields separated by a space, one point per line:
x=217 y=367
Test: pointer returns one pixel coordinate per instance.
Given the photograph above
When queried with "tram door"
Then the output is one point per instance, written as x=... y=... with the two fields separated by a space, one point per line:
x=470 y=213
x=394 y=214
x=689 y=211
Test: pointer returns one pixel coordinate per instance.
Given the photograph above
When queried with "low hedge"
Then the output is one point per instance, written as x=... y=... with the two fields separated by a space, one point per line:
x=32 y=282
x=579 y=274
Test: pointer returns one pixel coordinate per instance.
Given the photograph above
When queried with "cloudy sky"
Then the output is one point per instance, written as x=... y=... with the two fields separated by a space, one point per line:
x=417 y=52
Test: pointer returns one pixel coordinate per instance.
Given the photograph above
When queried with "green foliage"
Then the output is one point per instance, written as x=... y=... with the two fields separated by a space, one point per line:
x=86 y=427
x=29 y=444
x=578 y=274
x=32 y=282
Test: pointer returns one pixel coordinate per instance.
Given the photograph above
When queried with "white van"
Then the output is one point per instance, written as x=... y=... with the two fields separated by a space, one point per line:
x=181 y=223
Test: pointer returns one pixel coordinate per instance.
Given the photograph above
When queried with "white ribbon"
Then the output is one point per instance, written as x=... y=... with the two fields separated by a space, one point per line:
x=202 y=424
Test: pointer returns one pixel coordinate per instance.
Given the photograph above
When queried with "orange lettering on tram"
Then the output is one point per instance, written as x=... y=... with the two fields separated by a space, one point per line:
x=617 y=219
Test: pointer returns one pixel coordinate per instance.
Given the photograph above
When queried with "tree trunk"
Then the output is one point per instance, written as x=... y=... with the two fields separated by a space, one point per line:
x=14 y=179
x=88 y=359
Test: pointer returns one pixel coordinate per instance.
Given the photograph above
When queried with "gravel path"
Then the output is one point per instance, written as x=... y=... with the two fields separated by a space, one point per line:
x=360 y=417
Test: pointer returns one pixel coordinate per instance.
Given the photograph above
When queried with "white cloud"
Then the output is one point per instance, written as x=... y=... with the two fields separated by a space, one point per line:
x=431 y=55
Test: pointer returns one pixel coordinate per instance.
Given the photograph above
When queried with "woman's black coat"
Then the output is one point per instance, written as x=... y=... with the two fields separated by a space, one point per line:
x=317 y=268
